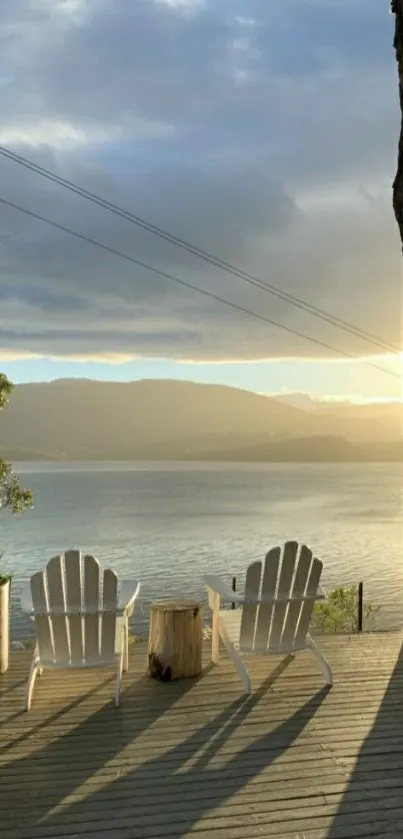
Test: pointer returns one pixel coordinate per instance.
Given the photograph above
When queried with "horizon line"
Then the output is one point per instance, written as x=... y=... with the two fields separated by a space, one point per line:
x=313 y=396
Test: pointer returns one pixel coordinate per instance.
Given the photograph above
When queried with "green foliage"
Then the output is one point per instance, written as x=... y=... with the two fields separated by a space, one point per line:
x=12 y=494
x=340 y=613
x=135 y=639
x=5 y=390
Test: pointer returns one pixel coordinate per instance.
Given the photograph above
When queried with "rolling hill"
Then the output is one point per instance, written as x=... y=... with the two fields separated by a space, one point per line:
x=172 y=420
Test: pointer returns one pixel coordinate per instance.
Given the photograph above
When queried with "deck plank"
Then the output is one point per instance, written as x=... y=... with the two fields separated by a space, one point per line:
x=196 y=759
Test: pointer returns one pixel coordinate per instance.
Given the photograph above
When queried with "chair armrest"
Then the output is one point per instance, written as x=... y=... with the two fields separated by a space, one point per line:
x=290 y=599
x=217 y=586
x=127 y=595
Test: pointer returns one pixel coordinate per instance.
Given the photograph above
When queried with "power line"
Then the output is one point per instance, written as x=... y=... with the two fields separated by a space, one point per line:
x=188 y=285
x=200 y=253
x=5 y=236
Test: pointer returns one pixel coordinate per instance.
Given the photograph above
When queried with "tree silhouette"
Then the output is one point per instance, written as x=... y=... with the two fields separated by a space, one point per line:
x=396 y=8
x=12 y=494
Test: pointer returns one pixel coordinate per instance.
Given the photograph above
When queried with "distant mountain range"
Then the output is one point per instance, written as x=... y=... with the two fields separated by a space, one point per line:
x=321 y=449
x=174 y=420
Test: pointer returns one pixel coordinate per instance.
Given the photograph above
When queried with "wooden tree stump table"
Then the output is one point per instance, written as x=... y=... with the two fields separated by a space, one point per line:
x=175 y=642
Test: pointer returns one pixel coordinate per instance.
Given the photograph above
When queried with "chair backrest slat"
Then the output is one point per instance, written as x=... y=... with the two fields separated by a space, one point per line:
x=68 y=610
x=283 y=590
x=108 y=631
x=56 y=603
x=91 y=597
x=287 y=577
x=308 y=605
x=248 y=619
x=303 y=567
x=269 y=583
x=42 y=621
x=74 y=604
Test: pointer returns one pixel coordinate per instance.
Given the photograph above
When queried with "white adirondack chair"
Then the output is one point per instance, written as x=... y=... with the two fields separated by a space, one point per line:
x=79 y=618
x=275 y=609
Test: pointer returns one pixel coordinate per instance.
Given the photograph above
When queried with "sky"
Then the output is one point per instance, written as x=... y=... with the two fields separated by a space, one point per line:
x=262 y=131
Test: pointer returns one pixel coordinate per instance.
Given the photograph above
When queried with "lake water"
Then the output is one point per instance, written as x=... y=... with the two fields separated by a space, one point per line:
x=167 y=524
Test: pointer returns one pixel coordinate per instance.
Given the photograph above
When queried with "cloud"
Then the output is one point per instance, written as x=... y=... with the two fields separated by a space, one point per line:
x=264 y=133
x=16 y=355
x=113 y=359
x=184 y=6
x=65 y=135
x=309 y=400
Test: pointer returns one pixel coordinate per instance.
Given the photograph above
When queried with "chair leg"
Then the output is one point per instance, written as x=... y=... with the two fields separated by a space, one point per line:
x=237 y=661
x=119 y=671
x=126 y=645
x=30 y=684
x=215 y=632
x=320 y=659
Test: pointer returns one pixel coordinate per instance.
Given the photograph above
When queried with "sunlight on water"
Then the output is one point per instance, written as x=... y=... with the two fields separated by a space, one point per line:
x=168 y=524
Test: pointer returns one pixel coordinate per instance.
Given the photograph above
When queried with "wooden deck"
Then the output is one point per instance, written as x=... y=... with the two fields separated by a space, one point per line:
x=195 y=759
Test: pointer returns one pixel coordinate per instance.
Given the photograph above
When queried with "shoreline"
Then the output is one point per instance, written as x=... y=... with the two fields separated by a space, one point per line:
x=206 y=461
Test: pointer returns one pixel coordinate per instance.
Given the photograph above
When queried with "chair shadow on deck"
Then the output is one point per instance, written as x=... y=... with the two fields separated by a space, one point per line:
x=373 y=800
x=178 y=786
x=142 y=693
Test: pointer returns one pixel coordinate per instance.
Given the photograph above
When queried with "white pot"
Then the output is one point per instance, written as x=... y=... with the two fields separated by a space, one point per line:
x=4 y=625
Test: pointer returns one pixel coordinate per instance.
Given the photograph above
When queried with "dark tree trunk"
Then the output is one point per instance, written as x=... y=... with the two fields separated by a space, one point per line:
x=397 y=10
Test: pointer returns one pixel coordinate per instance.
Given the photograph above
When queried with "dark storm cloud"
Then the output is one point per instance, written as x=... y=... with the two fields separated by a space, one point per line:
x=263 y=132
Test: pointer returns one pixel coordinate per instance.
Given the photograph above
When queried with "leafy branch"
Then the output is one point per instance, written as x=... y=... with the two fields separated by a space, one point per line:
x=340 y=613
x=12 y=495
